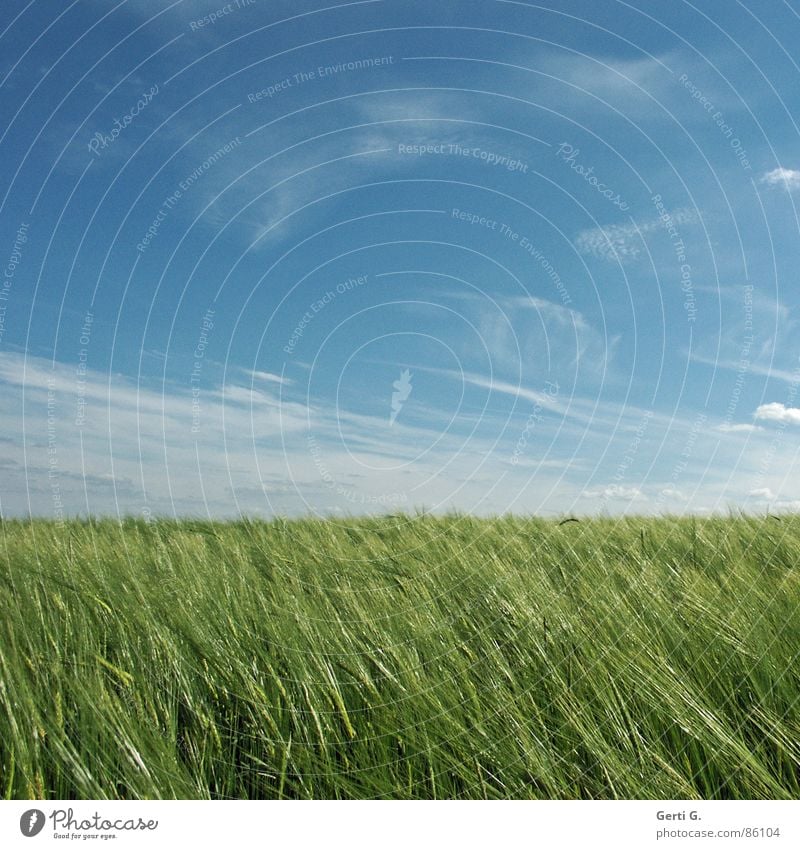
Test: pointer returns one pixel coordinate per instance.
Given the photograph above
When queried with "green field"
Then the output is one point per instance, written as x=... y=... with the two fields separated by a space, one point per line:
x=403 y=657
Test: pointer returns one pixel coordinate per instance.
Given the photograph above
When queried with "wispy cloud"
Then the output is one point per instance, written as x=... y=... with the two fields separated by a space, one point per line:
x=109 y=440
x=252 y=451
x=740 y=427
x=268 y=377
x=512 y=325
x=230 y=448
x=512 y=389
x=623 y=242
x=754 y=337
x=616 y=492
x=765 y=497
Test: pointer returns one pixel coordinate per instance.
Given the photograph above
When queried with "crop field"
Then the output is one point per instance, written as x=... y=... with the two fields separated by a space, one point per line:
x=401 y=657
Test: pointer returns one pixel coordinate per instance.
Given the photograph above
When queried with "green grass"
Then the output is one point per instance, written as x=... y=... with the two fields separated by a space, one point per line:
x=406 y=657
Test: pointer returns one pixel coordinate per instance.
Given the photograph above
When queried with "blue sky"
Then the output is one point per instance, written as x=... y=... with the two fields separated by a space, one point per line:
x=281 y=258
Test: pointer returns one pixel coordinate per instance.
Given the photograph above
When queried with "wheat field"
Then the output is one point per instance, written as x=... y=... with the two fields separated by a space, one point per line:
x=401 y=657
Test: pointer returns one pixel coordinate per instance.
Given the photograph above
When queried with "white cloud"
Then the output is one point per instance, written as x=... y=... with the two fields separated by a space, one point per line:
x=757 y=351
x=252 y=451
x=243 y=395
x=763 y=492
x=515 y=390
x=777 y=412
x=622 y=242
x=788 y=178
x=740 y=427
x=764 y=303
x=135 y=448
x=671 y=492
x=268 y=377
x=114 y=438
x=511 y=326
x=615 y=491
x=614 y=243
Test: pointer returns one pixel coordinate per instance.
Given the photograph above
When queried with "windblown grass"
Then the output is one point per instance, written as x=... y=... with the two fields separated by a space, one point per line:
x=401 y=657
